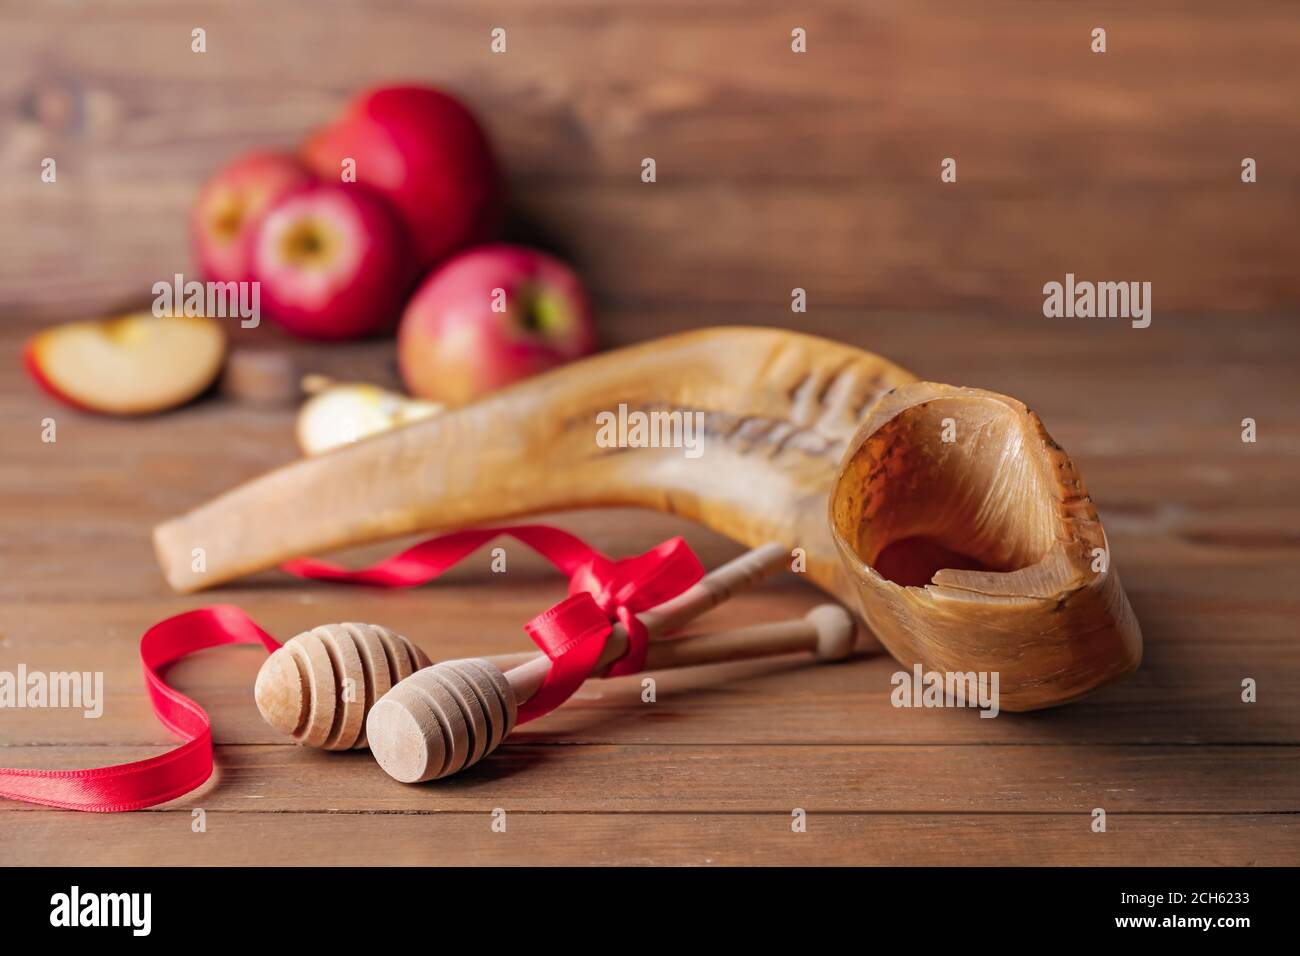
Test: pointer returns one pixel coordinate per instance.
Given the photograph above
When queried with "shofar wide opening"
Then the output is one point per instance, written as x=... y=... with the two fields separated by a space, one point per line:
x=946 y=484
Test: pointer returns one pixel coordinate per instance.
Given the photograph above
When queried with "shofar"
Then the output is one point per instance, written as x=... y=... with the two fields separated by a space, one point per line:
x=793 y=425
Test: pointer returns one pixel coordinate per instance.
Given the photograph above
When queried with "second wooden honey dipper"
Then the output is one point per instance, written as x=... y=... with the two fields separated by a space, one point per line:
x=448 y=717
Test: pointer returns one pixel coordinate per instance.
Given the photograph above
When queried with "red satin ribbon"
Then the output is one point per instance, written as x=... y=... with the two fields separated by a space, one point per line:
x=132 y=786
x=572 y=634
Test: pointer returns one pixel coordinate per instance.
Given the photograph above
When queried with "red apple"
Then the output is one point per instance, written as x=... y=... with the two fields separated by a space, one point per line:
x=332 y=262
x=425 y=152
x=230 y=205
x=461 y=338
x=132 y=365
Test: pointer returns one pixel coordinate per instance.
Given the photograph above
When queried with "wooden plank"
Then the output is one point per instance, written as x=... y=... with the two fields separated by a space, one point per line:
x=1188 y=690
x=52 y=838
x=1178 y=388
x=918 y=248
x=894 y=248
x=885 y=90
x=761 y=778
x=1247 y=546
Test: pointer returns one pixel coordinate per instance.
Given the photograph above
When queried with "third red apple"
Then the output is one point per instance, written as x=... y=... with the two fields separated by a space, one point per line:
x=427 y=155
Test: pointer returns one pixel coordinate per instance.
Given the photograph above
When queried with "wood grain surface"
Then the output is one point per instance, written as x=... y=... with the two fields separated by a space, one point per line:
x=775 y=171
x=1203 y=529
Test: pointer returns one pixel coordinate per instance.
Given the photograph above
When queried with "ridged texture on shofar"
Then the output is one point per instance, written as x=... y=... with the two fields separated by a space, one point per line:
x=778 y=409
x=320 y=685
x=441 y=720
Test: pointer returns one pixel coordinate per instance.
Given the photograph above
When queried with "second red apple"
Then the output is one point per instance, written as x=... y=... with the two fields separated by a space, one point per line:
x=489 y=317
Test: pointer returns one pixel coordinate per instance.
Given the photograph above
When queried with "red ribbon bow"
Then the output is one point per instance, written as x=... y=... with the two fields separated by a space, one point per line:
x=572 y=634
x=604 y=592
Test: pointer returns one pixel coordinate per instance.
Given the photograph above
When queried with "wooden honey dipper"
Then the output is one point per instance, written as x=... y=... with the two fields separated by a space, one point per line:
x=300 y=689
x=320 y=686
x=448 y=717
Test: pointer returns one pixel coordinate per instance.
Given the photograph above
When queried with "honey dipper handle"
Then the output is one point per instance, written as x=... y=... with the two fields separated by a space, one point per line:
x=734 y=577
x=449 y=716
x=526 y=679
x=827 y=631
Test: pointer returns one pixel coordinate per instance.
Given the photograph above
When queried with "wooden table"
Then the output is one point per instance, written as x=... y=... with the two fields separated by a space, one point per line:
x=1204 y=529
x=821 y=173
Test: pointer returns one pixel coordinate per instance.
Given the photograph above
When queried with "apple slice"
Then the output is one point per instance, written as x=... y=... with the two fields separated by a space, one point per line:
x=338 y=414
x=131 y=365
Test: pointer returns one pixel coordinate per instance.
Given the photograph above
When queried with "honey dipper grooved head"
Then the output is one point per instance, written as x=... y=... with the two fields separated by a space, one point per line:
x=321 y=684
x=441 y=720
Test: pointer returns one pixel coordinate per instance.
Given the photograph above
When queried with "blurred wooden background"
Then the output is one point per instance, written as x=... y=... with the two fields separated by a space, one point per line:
x=775 y=170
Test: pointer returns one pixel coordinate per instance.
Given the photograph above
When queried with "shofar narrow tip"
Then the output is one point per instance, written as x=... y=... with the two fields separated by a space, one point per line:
x=170 y=546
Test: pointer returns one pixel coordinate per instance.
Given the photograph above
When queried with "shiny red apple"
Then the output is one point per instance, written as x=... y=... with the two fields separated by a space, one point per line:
x=489 y=317
x=332 y=262
x=428 y=156
x=231 y=203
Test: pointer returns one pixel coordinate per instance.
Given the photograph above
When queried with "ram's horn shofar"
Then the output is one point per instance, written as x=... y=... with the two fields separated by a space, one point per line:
x=779 y=410
x=918 y=478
